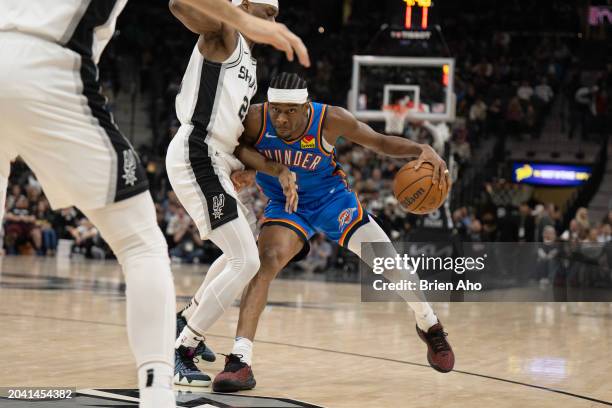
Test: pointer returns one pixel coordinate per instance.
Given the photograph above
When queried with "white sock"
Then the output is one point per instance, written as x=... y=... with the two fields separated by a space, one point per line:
x=424 y=315
x=157 y=398
x=243 y=347
x=188 y=338
x=156 y=375
x=155 y=385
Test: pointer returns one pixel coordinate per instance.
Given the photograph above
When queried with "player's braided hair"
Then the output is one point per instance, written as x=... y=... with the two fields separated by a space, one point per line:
x=287 y=80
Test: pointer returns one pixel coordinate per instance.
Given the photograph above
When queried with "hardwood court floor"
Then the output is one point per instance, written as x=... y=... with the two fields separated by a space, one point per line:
x=62 y=324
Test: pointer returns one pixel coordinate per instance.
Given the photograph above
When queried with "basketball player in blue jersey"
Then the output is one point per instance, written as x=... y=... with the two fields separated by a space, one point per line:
x=301 y=135
x=215 y=95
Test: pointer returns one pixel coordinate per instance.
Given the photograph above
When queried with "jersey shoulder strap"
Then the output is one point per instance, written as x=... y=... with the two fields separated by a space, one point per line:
x=318 y=123
x=265 y=123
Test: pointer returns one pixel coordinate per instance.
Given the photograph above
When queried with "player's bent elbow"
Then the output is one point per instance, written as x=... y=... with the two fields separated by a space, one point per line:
x=176 y=6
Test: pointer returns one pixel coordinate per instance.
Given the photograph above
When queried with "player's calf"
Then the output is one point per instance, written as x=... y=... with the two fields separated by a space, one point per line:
x=131 y=230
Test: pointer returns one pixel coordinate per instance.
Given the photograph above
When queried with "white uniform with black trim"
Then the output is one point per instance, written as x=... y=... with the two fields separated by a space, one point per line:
x=212 y=104
x=53 y=115
x=218 y=95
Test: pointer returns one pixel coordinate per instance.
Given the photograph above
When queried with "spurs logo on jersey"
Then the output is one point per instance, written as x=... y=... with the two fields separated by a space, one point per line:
x=129 y=167
x=218 y=204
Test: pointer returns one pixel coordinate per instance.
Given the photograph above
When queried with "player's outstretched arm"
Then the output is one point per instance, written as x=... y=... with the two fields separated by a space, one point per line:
x=197 y=22
x=340 y=122
x=196 y=12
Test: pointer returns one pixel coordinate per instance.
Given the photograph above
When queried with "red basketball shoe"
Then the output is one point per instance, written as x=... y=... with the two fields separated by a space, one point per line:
x=236 y=376
x=439 y=353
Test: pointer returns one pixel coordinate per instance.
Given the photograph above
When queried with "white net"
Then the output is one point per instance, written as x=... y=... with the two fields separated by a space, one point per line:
x=395 y=118
x=377 y=80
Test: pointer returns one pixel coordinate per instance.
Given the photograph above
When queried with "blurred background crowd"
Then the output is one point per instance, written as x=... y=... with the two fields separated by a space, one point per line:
x=519 y=66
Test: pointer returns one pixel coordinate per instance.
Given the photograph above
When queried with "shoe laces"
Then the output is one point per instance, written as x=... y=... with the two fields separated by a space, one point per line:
x=233 y=362
x=438 y=341
x=189 y=362
x=201 y=348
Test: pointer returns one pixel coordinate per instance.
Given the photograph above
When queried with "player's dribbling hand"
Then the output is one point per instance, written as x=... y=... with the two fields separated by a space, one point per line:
x=243 y=179
x=279 y=36
x=288 y=182
x=441 y=176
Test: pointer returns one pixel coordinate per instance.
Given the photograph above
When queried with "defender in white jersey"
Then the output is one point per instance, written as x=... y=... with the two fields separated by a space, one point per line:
x=214 y=99
x=209 y=106
x=55 y=119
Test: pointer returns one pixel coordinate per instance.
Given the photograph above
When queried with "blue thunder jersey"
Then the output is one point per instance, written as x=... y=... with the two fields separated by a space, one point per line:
x=318 y=173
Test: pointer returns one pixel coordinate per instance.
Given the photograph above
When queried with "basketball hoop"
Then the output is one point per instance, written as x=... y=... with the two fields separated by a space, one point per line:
x=397 y=115
x=395 y=118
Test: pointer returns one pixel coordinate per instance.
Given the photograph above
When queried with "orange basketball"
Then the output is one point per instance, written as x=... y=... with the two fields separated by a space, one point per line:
x=414 y=190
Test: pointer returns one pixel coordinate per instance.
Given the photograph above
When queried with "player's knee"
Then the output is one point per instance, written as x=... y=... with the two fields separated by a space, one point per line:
x=245 y=264
x=149 y=243
x=131 y=230
x=252 y=259
x=252 y=265
x=272 y=261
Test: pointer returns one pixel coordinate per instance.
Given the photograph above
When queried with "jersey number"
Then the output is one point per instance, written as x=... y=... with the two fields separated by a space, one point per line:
x=244 y=109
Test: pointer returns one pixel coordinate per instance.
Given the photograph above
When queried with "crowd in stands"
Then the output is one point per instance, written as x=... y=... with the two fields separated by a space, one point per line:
x=510 y=214
x=32 y=228
x=505 y=86
x=504 y=83
x=589 y=108
x=580 y=253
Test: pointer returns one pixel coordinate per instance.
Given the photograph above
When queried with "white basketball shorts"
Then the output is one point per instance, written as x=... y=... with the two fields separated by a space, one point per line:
x=53 y=116
x=200 y=177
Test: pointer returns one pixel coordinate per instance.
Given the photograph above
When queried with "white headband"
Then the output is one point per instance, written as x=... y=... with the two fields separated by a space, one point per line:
x=270 y=2
x=297 y=96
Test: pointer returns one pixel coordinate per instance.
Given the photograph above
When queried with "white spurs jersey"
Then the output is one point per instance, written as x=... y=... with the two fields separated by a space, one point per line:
x=84 y=26
x=215 y=97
